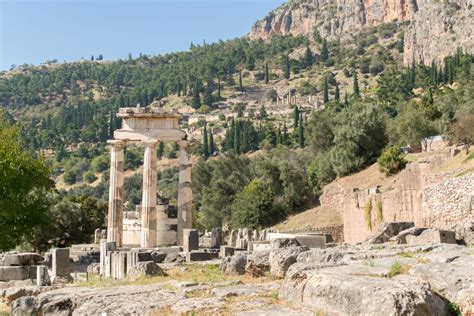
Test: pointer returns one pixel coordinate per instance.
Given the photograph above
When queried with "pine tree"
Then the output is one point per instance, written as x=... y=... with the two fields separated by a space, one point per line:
x=241 y=87
x=287 y=67
x=337 y=93
x=307 y=58
x=205 y=146
x=296 y=116
x=301 y=140
x=161 y=150
x=267 y=74
x=324 y=51
x=212 y=148
x=356 y=85
x=325 y=91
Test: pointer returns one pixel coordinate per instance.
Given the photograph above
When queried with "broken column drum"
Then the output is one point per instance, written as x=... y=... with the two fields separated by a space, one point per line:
x=149 y=126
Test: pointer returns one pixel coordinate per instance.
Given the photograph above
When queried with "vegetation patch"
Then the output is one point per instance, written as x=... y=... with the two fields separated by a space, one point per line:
x=368 y=214
x=379 y=211
x=397 y=268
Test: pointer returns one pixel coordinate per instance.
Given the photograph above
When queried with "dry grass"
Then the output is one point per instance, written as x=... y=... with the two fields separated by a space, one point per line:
x=4 y=309
x=198 y=273
x=311 y=219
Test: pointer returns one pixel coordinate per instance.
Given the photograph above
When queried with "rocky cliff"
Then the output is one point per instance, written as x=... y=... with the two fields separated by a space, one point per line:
x=450 y=22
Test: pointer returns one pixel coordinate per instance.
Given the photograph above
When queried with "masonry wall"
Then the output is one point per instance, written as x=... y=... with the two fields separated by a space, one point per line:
x=428 y=200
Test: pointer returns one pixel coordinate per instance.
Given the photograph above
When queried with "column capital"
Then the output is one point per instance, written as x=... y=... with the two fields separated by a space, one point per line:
x=149 y=142
x=116 y=142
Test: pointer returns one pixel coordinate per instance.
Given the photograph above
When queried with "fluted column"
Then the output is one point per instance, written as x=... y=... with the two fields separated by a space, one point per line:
x=185 y=193
x=148 y=232
x=116 y=193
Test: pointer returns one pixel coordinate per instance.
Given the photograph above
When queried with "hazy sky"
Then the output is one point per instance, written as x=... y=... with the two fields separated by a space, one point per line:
x=34 y=31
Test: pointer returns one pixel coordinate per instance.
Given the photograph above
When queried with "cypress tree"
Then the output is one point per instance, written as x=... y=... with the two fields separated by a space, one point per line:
x=413 y=72
x=451 y=72
x=179 y=89
x=205 y=146
x=196 y=100
x=285 y=135
x=161 y=150
x=237 y=136
x=325 y=91
x=241 y=87
x=296 y=116
x=308 y=58
x=229 y=136
x=279 y=139
x=346 y=100
x=208 y=99
x=324 y=51
x=219 y=88
x=301 y=140
x=336 y=93
x=356 y=85
x=212 y=148
x=267 y=74
x=287 y=67
x=185 y=88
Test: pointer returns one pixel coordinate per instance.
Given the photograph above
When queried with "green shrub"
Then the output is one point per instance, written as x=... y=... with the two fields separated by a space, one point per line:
x=379 y=211
x=397 y=268
x=89 y=176
x=392 y=160
x=70 y=176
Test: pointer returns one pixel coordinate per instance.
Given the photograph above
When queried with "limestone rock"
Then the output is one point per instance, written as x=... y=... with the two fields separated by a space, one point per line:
x=146 y=268
x=401 y=238
x=158 y=256
x=11 y=294
x=93 y=268
x=21 y=259
x=258 y=263
x=234 y=265
x=283 y=243
x=193 y=305
x=388 y=231
x=282 y=259
x=432 y=236
x=175 y=257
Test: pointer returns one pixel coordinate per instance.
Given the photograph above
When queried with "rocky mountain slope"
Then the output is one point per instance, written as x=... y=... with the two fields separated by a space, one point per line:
x=450 y=22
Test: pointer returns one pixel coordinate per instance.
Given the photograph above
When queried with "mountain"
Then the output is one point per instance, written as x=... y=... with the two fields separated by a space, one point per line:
x=450 y=22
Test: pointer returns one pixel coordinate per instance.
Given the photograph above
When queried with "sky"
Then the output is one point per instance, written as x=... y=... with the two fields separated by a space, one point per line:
x=33 y=31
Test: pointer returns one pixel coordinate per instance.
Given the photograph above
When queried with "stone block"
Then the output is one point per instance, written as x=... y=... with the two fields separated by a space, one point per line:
x=261 y=245
x=190 y=240
x=8 y=273
x=312 y=241
x=144 y=256
x=42 y=276
x=432 y=236
x=216 y=238
x=22 y=259
x=226 y=251
x=201 y=256
x=60 y=262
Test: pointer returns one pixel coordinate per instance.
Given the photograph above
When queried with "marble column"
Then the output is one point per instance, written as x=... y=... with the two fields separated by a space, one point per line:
x=116 y=193
x=185 y=192
x=148 y=232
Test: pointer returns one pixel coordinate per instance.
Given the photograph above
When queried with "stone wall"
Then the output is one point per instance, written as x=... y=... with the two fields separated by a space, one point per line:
x=428 y=200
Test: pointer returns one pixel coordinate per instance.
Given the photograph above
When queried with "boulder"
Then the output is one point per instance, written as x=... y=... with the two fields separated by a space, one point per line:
x=234 y=265
x=339 y=293
x=432 y=236
x=174 y=257
x=283 y=243
x=388 y=231
x=146 y=268
x=281 y=259
x=11 y=294
x=258 y=263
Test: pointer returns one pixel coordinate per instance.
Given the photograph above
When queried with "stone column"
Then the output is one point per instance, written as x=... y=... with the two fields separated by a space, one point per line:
x=148 y=233
x=116 y=193
x=185 y=193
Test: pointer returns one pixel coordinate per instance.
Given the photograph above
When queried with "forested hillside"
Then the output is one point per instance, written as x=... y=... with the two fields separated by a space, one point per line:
x=260 y=160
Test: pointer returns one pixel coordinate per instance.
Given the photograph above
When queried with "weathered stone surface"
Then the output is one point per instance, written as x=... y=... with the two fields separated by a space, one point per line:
x=234 y=265
x=158 y=256
x=21 y=259
x=42 y=276
x=197 y=255
x=283 y=243
x=198 y=304
x=401 y=238
x=226 y=251
x=258 y=263
x=148 y=268
x=175 y=257
x=11 y=294
x=8 y=273
x=388 y=231
x=432 y=236
x=60 y=262
x=244 y=289
x=190 y=240
x=281 y=259
x=93 y=268
x=216 y=238
x=312 y=241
